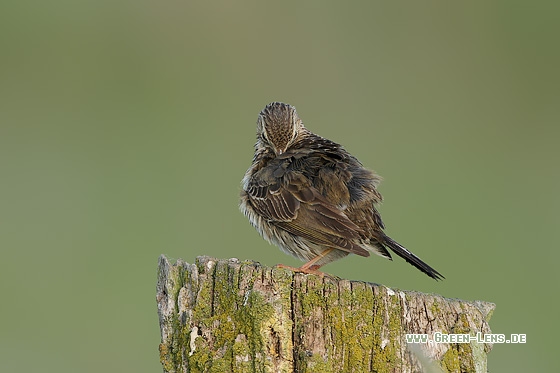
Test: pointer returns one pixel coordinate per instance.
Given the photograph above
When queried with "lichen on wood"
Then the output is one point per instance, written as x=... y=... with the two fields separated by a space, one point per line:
x=239 y=316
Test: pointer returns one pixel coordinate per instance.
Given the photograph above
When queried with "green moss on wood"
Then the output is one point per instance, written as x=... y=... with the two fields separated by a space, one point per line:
x=450 y=361
x=241 y=317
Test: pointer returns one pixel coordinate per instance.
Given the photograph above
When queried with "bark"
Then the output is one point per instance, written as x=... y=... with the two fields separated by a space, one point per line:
x=233 y=316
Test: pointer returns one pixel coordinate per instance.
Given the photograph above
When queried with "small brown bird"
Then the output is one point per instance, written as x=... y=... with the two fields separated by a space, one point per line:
x=313 y=199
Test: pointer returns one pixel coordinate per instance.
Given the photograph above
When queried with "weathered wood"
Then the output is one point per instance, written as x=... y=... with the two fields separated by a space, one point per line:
x=232 y=316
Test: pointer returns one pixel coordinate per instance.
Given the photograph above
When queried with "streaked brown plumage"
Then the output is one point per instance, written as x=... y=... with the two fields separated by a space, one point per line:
x=312 y=198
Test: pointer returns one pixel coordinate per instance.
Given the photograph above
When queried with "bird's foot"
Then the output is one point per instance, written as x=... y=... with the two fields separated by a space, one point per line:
x=312 y=270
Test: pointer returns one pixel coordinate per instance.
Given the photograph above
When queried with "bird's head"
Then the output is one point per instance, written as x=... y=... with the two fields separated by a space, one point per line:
x=278 y=126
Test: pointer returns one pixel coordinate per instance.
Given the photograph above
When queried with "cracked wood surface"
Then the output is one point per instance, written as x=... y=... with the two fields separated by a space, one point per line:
x=233 y=316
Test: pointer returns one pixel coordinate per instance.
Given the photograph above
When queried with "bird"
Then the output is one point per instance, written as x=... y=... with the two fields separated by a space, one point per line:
x=312 y=198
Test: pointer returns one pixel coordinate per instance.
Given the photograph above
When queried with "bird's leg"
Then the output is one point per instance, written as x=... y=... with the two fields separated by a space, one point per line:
x=310 y=266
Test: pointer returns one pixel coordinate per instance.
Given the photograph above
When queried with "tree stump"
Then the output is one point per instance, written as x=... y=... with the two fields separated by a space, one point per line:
x=239 y=316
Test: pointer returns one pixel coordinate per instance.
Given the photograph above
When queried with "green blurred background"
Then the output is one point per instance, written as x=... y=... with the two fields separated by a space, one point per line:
x=127 y=126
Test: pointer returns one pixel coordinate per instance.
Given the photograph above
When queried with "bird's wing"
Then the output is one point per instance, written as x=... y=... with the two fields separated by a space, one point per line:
x=293 y=204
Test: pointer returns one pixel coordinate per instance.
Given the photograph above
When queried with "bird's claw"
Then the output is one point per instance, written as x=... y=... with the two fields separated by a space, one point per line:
x=312 y=270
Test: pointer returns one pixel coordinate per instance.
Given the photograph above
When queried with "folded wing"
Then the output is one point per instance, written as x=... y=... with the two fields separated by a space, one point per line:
x=291 y=203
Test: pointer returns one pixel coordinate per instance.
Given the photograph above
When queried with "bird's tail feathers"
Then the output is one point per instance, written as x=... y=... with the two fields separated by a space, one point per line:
x=411 y=258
